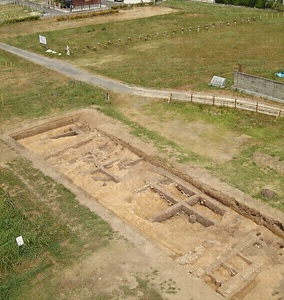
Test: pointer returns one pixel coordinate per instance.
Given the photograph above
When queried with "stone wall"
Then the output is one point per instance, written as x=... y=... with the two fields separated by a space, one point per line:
x=261 y=87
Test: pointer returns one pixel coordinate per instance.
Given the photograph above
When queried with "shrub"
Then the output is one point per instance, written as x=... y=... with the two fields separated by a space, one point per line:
x=248 y=3
x=86 y=15
x=21 y=19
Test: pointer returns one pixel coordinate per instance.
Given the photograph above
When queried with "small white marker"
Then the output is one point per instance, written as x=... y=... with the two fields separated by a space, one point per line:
x=20 y=240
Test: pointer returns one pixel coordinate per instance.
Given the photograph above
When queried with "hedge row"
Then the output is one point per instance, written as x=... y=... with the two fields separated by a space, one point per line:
x=86 y=15
x=21 y=19
x=248 y=3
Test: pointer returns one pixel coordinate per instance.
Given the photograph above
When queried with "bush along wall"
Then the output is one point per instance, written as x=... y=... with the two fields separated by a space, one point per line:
x=248 y=3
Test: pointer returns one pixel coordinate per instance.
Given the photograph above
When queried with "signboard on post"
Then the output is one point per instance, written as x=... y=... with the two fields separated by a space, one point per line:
x=42 y=39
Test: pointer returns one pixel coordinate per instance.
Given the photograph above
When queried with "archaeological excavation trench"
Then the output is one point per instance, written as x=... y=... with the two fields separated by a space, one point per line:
x=234 y=255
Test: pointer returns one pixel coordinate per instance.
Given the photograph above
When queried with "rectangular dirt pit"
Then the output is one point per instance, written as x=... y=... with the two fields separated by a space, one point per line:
x=95 y=134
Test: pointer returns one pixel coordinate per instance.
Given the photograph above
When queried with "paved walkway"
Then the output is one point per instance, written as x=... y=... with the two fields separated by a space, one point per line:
x=76 y=73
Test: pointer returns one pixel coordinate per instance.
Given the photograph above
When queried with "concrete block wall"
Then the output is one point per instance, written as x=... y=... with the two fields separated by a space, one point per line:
x=258 y=86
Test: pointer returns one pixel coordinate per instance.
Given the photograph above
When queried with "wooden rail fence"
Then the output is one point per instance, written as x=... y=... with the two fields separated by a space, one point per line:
x=244 y=104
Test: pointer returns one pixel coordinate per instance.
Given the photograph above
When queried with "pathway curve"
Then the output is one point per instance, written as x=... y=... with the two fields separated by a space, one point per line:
x=76 y=73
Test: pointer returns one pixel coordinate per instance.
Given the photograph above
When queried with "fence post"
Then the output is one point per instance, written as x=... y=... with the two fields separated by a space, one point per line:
x=107 y=95
x=191 y=98
x=278 y=115
x=213 y=100
x=235 y=103
x=170 y=98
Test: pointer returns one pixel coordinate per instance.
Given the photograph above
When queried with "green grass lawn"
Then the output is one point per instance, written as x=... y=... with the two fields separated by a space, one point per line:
x=36 y=91
x=184 y=60
x=56 y=229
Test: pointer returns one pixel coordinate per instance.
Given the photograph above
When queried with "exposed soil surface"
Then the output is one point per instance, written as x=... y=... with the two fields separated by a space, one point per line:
x=6 y=154
x=265 y=160
x=131 y=267
x=51 y=24
x=230 y=253
x=207 y=140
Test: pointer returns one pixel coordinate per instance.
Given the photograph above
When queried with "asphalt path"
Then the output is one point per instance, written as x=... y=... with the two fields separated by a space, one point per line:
x=105 y=83
x=76 y=73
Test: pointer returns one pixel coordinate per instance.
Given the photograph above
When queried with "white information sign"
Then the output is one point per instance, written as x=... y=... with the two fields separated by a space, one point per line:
x=218 y=81
x=20 y=240
x=42 y=39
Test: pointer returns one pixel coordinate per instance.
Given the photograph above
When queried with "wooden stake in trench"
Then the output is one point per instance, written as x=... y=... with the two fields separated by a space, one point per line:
x=256 y=108
x=2 y=100
x=213 y=100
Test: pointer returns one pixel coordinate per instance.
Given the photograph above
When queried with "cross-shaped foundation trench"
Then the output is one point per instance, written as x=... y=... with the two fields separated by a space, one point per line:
x=177 y=206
